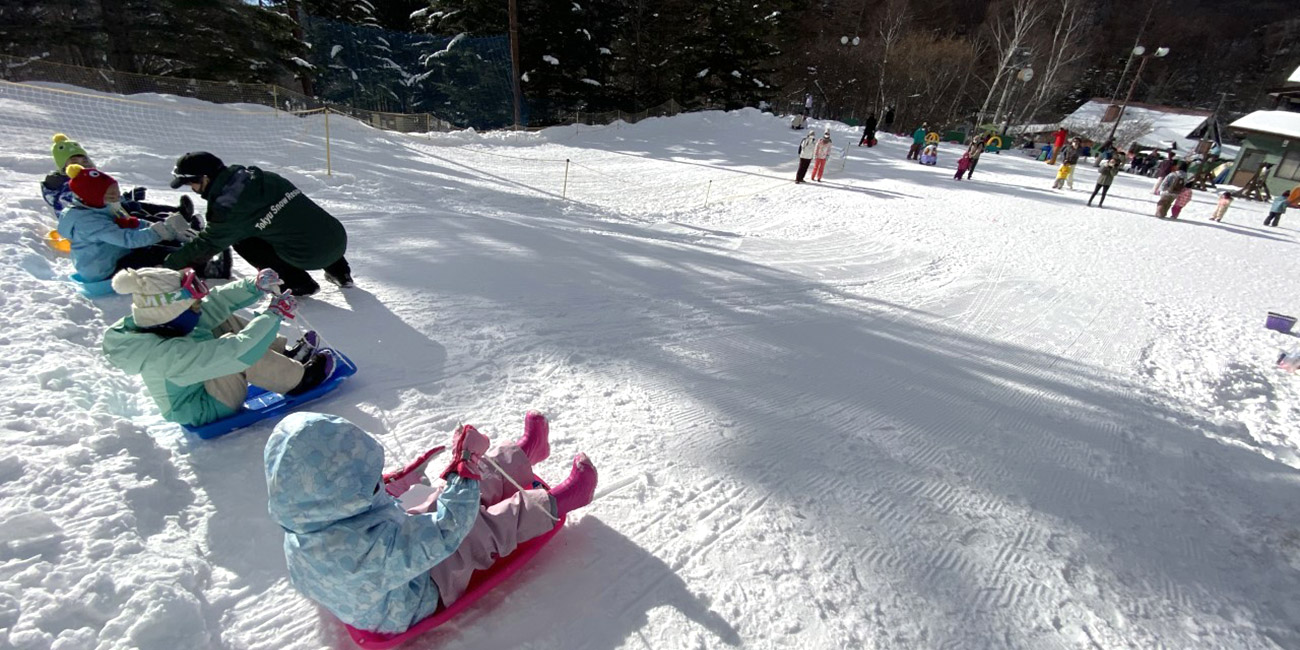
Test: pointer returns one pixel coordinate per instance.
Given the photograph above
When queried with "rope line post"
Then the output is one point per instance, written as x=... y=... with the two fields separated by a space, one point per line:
x=707 y=190
x=564 y=193
x=329 y=171
x=275 y=100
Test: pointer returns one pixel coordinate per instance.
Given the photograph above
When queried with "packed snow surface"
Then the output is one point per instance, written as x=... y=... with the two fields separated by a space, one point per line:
x=888 y=410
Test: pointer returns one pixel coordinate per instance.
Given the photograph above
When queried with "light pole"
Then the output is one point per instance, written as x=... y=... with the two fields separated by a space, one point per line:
x=513 y=9
x=1141 y=53
x=850 y=42
x=1025 y=75
x=1014 y=71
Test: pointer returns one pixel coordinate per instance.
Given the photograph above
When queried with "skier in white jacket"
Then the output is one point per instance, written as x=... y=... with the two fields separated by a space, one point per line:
x=807 y=147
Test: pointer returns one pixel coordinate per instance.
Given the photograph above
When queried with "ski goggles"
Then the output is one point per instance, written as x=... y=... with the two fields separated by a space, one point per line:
x=192 y=283
x=184 y=179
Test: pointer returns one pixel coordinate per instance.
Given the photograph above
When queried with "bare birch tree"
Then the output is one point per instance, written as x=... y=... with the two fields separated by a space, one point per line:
x=890 y=29
x=1010 y=33
x=1065 y=48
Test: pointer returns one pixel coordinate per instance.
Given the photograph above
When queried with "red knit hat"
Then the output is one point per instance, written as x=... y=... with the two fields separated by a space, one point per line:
x=89 y=184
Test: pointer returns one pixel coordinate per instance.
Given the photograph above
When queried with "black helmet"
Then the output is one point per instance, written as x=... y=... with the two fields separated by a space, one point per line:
x=193 y=166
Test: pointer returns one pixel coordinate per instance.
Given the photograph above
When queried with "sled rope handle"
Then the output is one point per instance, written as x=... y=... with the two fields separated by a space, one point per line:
x=519 y=487
x=303 y=325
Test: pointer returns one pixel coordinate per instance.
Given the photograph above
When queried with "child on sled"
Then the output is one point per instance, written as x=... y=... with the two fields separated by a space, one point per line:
x=351 y=546
x=197 y=358
x=104 y=239
x=930 y=154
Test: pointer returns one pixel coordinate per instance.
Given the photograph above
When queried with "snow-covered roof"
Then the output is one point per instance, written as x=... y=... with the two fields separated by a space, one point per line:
x=1283 y=123
x=1168 y=124
x=1295 y=77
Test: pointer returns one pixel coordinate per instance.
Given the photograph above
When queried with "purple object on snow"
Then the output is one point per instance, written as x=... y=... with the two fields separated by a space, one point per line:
x=1279 y=322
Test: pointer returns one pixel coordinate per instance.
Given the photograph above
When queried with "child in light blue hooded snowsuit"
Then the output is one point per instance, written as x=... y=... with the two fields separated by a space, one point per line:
x=352 y=548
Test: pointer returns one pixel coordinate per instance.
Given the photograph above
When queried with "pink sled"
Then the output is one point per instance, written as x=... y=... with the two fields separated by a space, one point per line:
x=479 y=585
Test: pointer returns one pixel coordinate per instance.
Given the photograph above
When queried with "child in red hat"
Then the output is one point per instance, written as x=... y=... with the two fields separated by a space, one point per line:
x=104 y=239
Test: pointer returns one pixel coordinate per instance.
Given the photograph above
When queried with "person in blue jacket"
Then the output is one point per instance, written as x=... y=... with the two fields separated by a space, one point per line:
x=1276 y=209
x=380 y=566
x=104 y=239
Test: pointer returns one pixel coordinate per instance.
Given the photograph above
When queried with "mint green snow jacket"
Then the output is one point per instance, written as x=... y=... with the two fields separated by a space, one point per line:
x=175 y=368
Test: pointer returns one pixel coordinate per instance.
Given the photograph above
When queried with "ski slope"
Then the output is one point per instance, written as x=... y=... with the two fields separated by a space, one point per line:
x=889 y=410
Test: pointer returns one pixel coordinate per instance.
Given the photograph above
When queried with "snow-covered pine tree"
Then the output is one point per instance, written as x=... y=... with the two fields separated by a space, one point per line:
x=730 y=45
x=562 y=46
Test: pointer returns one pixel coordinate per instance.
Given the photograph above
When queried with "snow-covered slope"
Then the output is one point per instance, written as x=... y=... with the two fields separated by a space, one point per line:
x=890 y=410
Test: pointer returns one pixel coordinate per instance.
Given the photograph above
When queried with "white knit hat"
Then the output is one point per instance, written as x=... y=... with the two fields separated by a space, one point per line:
x=156 y=294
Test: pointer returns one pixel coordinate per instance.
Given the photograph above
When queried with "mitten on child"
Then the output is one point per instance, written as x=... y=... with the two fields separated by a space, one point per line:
x=181 y=226
x=174 y=227
x=269 y=281
x=467 y=447
x=285 y=305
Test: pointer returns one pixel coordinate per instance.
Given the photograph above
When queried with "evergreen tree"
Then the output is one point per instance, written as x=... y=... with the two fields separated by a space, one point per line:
x=730 y=44
x=239 y=41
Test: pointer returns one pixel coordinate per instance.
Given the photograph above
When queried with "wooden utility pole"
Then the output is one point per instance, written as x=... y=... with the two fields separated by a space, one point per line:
x=1204 y=178
x=514 y=61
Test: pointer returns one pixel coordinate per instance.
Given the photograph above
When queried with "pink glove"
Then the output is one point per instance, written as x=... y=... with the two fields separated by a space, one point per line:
x=397 y=483
x=467 y=447
x=268 y=280
x=284 y=305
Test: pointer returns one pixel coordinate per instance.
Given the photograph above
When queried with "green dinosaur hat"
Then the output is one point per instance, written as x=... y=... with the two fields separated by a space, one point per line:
x=64 y=149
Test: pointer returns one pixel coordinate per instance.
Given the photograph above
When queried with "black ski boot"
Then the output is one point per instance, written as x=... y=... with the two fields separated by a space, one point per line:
x=314 y=373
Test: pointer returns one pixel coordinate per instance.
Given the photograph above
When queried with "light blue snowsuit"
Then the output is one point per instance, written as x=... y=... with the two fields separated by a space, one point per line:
x=349 y=545
x=97 y=241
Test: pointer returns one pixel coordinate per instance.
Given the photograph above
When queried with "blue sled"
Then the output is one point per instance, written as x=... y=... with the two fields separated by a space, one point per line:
x=261 y=404
x=93 y=289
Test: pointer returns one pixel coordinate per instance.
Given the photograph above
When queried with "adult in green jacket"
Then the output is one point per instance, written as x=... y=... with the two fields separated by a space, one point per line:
x=918 y=141
x=195 y=356
x=268 y=221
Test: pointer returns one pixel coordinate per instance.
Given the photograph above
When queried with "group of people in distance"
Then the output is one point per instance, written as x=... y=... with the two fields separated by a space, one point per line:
x=1172 y=184
x=381 y=551
x=813 y=151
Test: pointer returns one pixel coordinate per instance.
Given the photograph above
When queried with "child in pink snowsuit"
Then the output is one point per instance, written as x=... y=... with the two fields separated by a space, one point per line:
x=382 y=565
x=963 y=164
x=1225 y=200
x=820 y=154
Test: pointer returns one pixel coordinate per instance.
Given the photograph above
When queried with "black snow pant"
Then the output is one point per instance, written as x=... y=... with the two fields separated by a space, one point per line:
x=868 y=138
x=151 y=209
x=914 y=153
x=147 y=256
x=971 y=169
x=261 y=255
x=803 y=169
x=1099 y=188
x=1273 y=219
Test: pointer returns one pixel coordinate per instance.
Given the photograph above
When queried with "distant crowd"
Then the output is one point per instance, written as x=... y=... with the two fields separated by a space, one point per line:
x=1175 y=177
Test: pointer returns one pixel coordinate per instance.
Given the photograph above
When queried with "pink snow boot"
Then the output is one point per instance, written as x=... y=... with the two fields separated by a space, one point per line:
x=536 y=442
x=577 y=490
